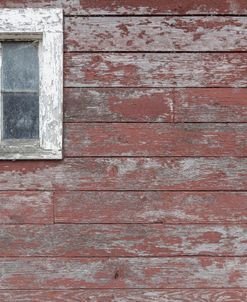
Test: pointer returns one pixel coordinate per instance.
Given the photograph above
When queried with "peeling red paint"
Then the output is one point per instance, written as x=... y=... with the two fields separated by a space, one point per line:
x=149 y=203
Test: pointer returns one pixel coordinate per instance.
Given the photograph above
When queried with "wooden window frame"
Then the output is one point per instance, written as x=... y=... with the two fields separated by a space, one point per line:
x=46 y=26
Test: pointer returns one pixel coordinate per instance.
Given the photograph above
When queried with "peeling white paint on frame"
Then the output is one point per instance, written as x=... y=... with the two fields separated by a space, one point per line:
x=45 y=25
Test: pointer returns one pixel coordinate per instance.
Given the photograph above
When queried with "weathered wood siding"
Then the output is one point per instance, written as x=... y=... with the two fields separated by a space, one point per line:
x=149 y=203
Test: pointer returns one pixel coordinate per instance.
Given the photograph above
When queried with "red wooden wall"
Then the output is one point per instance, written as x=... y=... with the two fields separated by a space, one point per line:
x=150 y=201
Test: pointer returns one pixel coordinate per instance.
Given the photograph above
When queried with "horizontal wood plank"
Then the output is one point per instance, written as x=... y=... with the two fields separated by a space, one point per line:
x=118 y=105
x=155 y=105
x=155 y=34
x=150 y=207
x=210 y=105
x=155 y=139
x=156 y=70
x=137 y=7
x=126 y=295
x=122 y=240
x=26 y=207
x=155 y=273
x=126 y=174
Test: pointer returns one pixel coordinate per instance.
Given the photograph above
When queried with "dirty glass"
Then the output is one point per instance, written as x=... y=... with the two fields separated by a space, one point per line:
x=20 y=90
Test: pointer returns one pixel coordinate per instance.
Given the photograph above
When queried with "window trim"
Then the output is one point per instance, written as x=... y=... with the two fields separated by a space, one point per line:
x=46 y=26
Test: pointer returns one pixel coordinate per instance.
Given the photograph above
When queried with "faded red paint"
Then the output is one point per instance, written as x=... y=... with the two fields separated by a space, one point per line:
x=118 y=105
x=156 y=70
x=210 y=105
x=149 y=203
x=151 y=207
x=167 y=140
x=155 y=34
x=137 y=7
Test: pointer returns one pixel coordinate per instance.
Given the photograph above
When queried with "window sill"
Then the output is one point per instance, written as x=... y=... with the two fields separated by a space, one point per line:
x=26 y=149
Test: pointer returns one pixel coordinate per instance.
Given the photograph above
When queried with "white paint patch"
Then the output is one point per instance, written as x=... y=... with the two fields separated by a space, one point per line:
x=46 y=26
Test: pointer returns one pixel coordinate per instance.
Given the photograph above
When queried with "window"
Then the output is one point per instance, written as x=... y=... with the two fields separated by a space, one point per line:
x=31 y=83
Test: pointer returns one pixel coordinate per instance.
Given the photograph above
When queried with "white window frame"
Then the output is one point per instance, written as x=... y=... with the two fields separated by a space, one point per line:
x=46 y=26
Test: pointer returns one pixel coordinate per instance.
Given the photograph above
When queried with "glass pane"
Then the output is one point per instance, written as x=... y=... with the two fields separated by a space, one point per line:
x=20 y=66
x=20 y=90
x=20 y=115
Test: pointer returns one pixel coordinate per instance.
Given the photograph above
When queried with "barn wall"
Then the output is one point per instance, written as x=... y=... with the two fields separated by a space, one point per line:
x=149 y=203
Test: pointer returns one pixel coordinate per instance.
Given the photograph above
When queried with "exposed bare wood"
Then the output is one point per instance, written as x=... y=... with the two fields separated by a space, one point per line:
x=126 y=174
x=151 y=207
x=123 y=240
x=155 y=273
x=156 y=70
x=131 y=295
x=26 y=207
x=137 y=7
x=155 y=34
x=141 y=209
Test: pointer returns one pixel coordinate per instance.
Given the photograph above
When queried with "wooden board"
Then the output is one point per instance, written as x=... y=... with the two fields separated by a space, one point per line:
x=26 y=207
x=155 y=34
x=123 y=240
x=127 y=295
x=210 y=105
x=156 y=70
x=151 y=207
x=155 y=105
x=126 y=174
x=137 y=7
x=139 y=212
x=155 y=273
x=118 y=105
x=155 y=139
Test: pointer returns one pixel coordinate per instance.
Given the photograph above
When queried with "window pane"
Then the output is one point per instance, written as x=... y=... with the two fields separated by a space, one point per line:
x=20 y=115
x=20 y=90
x=20 y=67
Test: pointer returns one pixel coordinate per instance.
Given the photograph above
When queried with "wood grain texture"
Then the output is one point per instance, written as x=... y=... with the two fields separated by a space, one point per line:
x=26 y=207
x=118 y=105
x=123 y=240
x=151 y=207
x=155 y=139
x=155 y=34
x=126 y=174
x=137 y=7
x=127 y=295
x=155 y=273
x=156 y=70
x=155 y=105
x=210 y=105
x=136 y=241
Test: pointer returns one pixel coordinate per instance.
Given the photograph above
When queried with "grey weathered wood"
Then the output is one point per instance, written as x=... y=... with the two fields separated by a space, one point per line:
x=156 y=70
x=137 y=7
x=145 y=273
x=126 y=174
x=133 y=240
x=126 y=295
x=150 y=207
x=23 y=207
x=155 y=33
